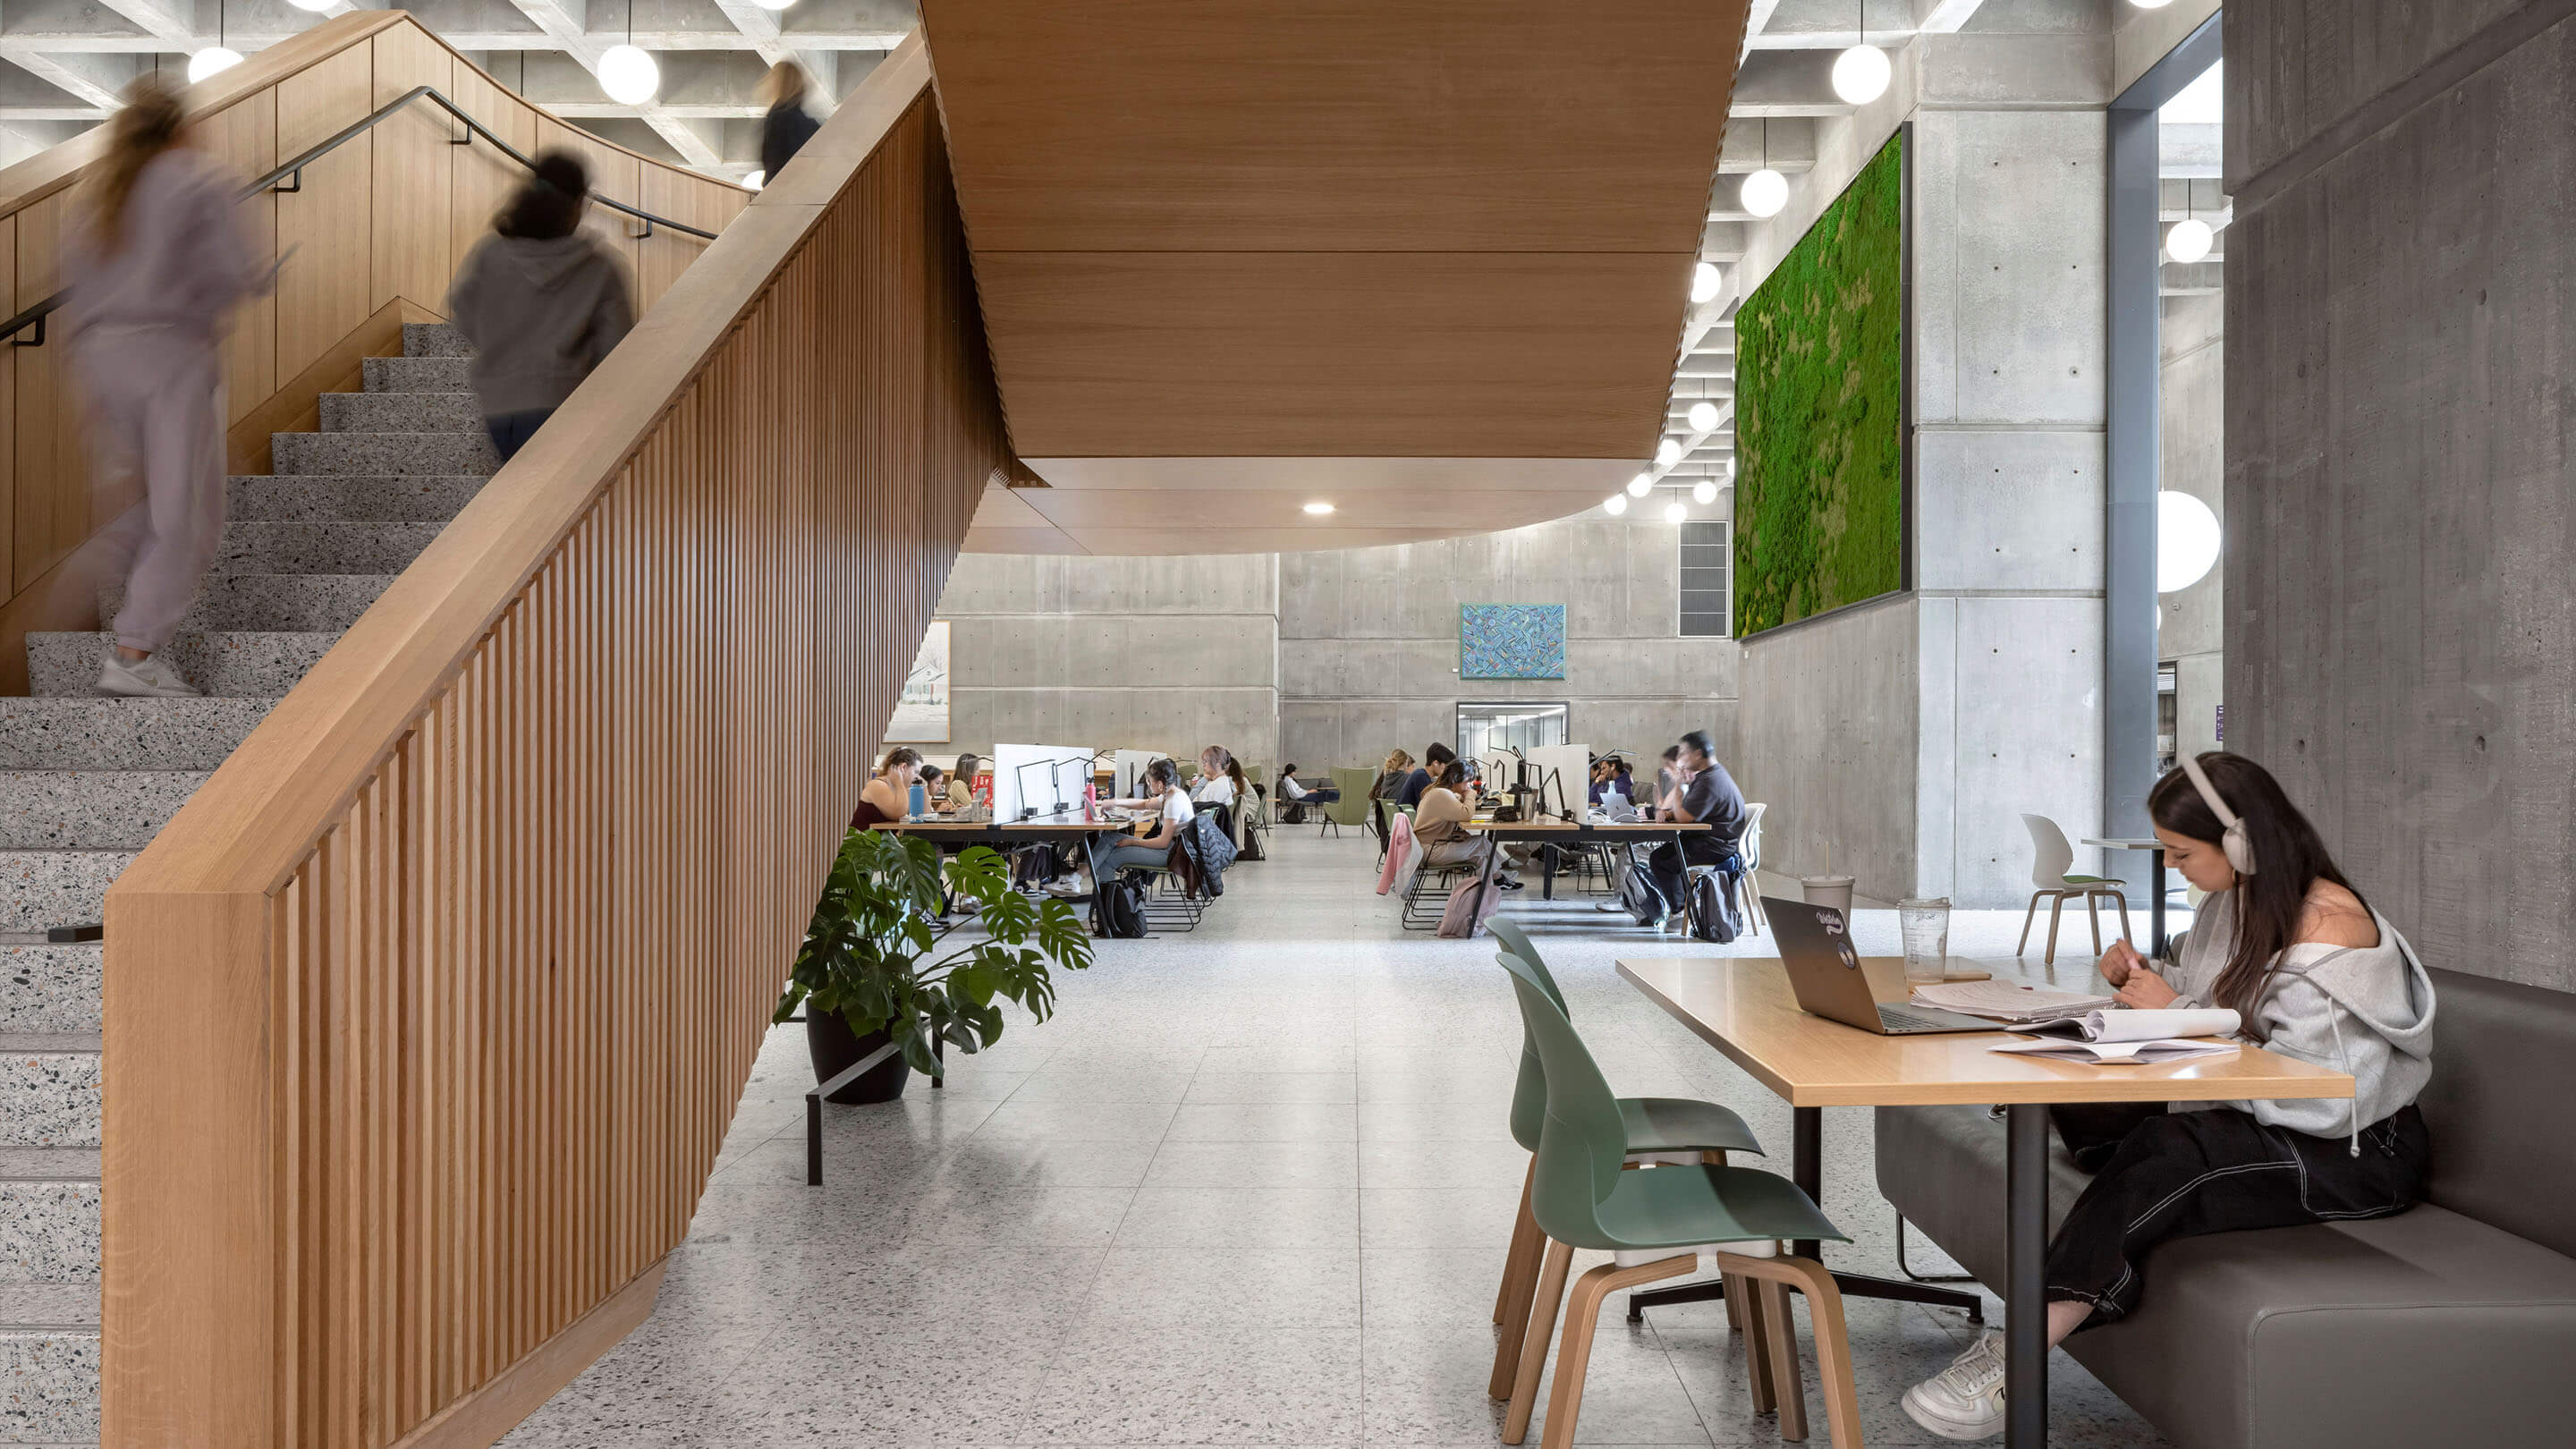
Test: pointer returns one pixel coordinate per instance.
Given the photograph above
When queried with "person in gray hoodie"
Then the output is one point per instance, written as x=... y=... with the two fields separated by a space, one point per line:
x=542 y=302
x=2312 y=972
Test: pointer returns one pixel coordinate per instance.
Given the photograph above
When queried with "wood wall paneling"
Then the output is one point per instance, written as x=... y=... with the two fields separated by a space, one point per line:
x=502 y=892
x=244 y=137
x=325 y=288
x=9 y=305
x=54 y=499
x=414 y=165
x=613 y=172
x=483 y=178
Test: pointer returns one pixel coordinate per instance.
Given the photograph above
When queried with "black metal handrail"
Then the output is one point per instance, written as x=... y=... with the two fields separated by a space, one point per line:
x=292 y=173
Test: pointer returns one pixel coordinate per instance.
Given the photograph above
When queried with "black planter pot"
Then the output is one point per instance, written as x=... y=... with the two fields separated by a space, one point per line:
x=835 y=1048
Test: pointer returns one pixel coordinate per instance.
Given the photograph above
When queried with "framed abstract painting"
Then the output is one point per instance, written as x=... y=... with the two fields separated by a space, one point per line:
x=1511 y=641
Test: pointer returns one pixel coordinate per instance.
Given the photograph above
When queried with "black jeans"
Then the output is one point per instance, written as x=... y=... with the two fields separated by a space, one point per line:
x=510 y=431
x=2160 y=1175
x=1672 y=877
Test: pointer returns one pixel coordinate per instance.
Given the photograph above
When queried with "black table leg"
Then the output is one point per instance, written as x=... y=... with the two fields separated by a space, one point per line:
x=1807 y=1170
x=2156 y=907
x=2025 y=1254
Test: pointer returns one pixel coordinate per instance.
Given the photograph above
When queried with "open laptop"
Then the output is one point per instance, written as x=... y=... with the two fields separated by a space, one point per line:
x=1825 y=972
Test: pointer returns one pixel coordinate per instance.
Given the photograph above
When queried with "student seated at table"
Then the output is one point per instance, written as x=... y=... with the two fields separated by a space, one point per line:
x=1220 y=780
x=1611 y=773
x=1702 y=793
x=1439 y=826
x=1163 y=795
x=2284 y=941
x=888 y=793
x=1667 y=776
x=961 y=782
x=934 y=788
x=1435 y=761
x=1299 y=795
x=1391 y=775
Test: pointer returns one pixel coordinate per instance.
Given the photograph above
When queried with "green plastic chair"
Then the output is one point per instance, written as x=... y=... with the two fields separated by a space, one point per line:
x=1654 y=1125
x=1584 y=1196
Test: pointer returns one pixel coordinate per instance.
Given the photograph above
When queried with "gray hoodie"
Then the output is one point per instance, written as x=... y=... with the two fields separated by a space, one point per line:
x=2363 y=1010
x=541 y=314
x=184 y=262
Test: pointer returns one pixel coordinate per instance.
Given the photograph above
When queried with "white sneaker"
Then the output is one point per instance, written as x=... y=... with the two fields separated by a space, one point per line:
x=146 y=678
x=1965 y=1400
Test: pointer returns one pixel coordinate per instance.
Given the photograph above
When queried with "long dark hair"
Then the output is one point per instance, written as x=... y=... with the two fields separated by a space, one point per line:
x=2289 y=859
x=549 y=205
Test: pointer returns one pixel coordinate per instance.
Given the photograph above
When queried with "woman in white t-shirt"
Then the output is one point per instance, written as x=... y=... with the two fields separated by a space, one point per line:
x=1217 y=776
x=1175 y=810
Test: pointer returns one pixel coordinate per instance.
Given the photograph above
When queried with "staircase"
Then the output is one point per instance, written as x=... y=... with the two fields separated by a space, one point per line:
x=86 y=782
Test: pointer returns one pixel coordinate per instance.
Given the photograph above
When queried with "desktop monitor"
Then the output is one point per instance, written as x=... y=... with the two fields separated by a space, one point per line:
x=1037 y=777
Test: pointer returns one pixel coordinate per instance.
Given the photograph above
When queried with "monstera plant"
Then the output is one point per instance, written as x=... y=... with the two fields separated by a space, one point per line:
x=878 y=964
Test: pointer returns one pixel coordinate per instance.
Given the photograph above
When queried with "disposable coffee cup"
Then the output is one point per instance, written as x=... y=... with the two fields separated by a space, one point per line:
x=1828 y=890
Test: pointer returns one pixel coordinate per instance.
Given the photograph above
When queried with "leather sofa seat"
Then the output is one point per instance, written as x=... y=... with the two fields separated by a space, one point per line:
x=2435 y=1326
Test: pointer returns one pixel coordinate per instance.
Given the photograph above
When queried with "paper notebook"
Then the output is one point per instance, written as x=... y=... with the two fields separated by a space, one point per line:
x=2126 y=1036
x=2116 y=1053
x=2006 y=1001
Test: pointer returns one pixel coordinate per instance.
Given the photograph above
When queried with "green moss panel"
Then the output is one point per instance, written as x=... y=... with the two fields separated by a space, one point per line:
x=1820 y=417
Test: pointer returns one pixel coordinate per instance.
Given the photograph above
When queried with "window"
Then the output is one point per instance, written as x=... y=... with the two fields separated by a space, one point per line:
x=1486 y=727
x=1707 y=601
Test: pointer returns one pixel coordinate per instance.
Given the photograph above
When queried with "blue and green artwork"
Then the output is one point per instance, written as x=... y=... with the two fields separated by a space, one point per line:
x=1511 y=641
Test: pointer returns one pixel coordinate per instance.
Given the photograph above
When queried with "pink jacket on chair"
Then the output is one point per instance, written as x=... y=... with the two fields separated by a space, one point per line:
x=1399 y=849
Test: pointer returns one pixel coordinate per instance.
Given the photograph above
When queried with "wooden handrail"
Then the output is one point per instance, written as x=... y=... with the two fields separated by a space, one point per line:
x=427 y=1013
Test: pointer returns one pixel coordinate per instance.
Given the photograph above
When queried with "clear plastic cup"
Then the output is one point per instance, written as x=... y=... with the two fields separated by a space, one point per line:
x=1926 y=928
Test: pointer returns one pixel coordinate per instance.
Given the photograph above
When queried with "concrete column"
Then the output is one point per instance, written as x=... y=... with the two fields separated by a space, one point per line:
x=2401 y=445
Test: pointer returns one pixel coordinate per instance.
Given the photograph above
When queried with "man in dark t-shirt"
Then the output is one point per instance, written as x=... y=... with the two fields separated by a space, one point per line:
x=1706 y=795
x=1434 y=760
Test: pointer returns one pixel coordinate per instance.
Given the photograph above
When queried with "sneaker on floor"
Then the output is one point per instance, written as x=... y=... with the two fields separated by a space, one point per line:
x=147 y=678
x=1965 y=1400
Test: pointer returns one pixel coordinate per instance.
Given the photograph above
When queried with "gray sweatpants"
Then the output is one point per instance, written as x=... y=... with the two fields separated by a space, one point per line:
x=155 y=406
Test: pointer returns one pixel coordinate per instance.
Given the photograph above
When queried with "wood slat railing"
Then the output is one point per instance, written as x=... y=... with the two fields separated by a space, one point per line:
x=426 y=1016
x=379 y=226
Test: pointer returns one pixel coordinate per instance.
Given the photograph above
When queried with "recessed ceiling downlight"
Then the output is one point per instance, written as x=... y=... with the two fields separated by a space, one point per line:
x=1319 y=509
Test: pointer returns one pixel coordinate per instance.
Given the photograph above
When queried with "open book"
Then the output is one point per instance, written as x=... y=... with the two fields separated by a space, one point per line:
x=2145 y=1037
x=2006 y=1001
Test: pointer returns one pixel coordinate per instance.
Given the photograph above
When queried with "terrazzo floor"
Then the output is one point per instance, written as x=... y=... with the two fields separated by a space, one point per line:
x=1251 y=1186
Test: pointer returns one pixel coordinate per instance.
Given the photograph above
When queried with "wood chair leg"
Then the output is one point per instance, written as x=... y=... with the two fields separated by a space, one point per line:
x=2055 y=905
x=1574 y=1349
x=1747 y=1311
x=1780 y=1328
x=1542 y=1322
x=2093 y=913
x=2027 y=918
x=1833 y=1342
x=1520 y=1273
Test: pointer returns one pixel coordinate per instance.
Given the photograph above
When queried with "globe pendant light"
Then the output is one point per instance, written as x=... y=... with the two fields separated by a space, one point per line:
x=1615 y=504
x=1667 y=453
x=1676 y=512
x=1704 y=282
x=773 y=4
x=1703 y=417
x=756 y=180
x=1861 y=73
x=1765 y=191
x=214 y=58
x=1704 y=491
x=2190 y=239
x=626 y=72
x=1641 y=485
x=316 y=6
x=2186 y=541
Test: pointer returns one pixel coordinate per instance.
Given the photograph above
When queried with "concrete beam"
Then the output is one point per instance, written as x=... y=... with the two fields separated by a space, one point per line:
x=153 y=18
x=95 y=79
x=1787 y=83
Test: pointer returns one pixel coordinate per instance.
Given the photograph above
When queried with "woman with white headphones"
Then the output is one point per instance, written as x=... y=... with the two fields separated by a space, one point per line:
x=2312 y=972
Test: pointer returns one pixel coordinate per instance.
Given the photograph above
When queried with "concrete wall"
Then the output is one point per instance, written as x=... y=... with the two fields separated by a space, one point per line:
x=2193 y=448
x=1166 y=653
x=1902 y=742
x=2401 y=445
x=1368 y=640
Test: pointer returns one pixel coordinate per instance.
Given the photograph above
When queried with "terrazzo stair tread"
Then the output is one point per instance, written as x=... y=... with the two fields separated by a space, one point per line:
x=417 y=374
x=124 y=734
x=268 y=603
x=42 y=889
x=350 y=498
x=90 y=809
x=433 y=339
x=231 y=663
x=49 y=1089
x=381 y=454
x=48 y=1229
x=322 y=548
x=52 y=988
x=400 y=412
x=49 y=1370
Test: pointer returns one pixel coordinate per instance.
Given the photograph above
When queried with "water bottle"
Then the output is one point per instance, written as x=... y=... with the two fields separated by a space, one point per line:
x=920 y=801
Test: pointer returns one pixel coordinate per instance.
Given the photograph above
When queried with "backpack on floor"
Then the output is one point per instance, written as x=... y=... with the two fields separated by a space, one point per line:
x=1637 y=892
x=1118 y=908
x=1710 y=909
x=1470 y=905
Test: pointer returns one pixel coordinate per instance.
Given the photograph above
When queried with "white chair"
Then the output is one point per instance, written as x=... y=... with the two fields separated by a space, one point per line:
x=1751 y=850
x=2051 y=857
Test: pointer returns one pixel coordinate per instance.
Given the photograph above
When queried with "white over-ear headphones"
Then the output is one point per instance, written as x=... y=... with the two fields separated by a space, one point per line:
x=2238 y=846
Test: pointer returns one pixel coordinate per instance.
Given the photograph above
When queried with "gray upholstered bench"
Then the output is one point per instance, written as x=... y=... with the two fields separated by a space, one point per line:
x=2452 y=1323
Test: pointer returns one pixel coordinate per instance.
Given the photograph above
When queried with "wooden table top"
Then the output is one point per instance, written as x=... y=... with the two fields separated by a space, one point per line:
x=1742 y=1005
x=978 y=827
x=1577 y=827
